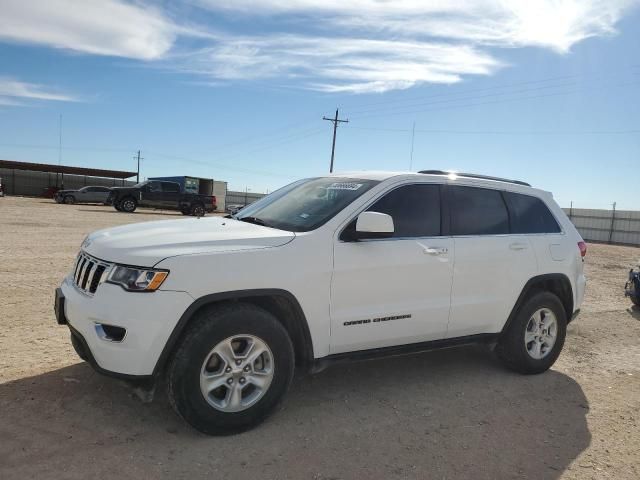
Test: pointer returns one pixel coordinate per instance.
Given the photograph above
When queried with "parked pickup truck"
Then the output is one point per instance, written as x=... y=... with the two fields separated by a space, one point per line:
x=164 y=195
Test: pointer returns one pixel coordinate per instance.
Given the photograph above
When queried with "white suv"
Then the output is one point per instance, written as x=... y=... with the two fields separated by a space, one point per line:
x=326 y=269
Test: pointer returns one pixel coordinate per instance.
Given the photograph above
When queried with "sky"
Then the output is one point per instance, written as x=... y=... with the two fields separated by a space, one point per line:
x=546 y=91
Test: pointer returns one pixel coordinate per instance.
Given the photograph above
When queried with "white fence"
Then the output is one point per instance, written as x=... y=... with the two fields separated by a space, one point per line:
x=611 y=226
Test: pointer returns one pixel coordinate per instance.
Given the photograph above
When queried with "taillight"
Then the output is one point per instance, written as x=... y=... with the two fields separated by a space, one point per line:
x=583 y=249
x=213 y=200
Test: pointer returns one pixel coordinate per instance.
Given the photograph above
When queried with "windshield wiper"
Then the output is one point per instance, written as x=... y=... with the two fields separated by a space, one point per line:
x=254 y=220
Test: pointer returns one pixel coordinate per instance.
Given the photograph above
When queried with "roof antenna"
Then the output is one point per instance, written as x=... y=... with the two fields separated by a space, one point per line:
x=413 y=135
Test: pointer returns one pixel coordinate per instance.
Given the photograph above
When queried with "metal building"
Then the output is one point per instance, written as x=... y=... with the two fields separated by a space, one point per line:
x=40 y=179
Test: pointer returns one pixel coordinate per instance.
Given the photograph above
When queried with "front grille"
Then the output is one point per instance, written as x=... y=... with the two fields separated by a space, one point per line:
x=89 y=273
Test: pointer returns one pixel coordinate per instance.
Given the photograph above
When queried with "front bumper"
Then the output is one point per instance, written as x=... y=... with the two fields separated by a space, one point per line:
x=149 y=319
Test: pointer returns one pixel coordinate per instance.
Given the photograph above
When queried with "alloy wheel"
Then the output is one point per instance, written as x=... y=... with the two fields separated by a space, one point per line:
x=237 y=373
x=541 y=333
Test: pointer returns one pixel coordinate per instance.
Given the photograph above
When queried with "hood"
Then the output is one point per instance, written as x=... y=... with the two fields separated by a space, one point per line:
x=146 y=244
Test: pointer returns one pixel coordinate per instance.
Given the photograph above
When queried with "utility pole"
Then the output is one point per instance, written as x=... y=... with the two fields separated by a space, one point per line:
x=613 y=221
x=60 y=141
x=413 y=136
x=59 y=150
x=138 y=157
x=335 y=121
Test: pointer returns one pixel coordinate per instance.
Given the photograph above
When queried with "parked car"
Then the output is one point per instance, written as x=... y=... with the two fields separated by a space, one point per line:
x=83 y=195
x=632 y=287
x=327 y=269
x=235 y=208
x=162 y=195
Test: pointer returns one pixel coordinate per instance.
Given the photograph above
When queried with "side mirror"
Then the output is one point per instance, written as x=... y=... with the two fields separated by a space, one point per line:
x=374 y=225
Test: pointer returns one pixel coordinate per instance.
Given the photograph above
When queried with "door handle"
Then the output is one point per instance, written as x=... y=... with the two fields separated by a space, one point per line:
x=518 y=246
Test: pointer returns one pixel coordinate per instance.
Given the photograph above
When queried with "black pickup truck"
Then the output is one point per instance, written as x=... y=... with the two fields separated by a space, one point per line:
x=160 y=195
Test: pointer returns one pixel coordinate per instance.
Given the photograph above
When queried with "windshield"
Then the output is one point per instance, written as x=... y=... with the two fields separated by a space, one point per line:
x=306 y=204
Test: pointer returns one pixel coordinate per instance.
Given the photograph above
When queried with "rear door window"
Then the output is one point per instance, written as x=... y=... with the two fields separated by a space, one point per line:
x=530 y=214
x=170 y=187
x=477 y=211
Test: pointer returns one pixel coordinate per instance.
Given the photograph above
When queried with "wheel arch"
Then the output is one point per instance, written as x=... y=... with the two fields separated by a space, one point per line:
x=556 y=283
x=281 y=303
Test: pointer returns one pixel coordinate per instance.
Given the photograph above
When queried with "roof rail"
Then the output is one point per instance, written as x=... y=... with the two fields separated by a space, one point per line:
x=474 y=175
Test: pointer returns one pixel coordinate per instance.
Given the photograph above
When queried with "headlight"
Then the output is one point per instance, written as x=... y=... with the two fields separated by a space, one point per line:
x=137 y=279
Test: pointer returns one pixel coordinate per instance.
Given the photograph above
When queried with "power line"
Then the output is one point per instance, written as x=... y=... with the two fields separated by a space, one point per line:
x=498 y=101
x=255 y=150
x=251 y=138
x=589 y=75
x=335 y=122
x=504 y=132
x=471 y=97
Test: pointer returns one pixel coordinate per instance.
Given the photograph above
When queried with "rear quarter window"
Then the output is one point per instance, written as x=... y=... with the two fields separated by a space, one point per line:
x=530 y=214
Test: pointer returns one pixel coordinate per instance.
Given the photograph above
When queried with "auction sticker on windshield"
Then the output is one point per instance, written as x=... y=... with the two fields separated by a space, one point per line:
x=344 y=186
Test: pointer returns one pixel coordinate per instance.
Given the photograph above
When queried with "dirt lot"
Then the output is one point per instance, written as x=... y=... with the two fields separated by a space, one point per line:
x=448 y=414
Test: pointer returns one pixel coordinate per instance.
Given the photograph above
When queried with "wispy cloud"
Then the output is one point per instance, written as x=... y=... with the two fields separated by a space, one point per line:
x=14 y=93
x=348 y=65
x=378 y=45
x=326 y=45
x=102 y=27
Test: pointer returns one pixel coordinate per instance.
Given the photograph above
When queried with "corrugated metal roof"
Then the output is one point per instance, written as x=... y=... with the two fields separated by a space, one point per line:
x=44 y=167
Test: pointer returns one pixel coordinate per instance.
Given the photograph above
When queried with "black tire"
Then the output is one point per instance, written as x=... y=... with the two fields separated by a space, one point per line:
x=197 y=210
x=210 y=327
x=128 y=204
x=511 y=348
x=69 y=199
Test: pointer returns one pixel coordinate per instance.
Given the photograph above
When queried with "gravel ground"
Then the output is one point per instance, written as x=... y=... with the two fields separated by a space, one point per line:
x=449 y=414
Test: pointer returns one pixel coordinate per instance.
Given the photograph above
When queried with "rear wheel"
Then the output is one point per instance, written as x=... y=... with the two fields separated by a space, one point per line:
x=533 y=341
x=69 y=199
x=128 y=205
x=231 y=370
x=197 y=210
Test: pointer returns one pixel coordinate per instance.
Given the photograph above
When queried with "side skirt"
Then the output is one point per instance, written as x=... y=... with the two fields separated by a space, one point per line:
x=399 y=350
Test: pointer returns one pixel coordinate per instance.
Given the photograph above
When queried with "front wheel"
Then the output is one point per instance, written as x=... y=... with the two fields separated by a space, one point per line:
x=231 y=370
x=197 y=210
x=128 y=205
x=534 y=339
x=69 y=199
